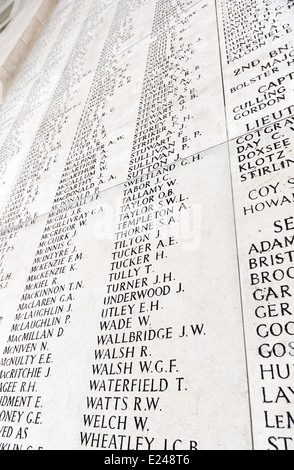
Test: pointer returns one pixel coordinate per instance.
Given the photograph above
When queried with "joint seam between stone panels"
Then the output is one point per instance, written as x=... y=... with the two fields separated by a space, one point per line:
x=26 y=154
x=149 y=35
x=46 y=110
x=42 y=34
x=235 y=232
x=88 y=199
x=178 y=160
x=275 y=121
x=22 y=164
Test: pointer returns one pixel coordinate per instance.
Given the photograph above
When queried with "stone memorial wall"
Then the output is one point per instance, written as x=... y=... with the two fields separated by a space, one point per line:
x=146 y=229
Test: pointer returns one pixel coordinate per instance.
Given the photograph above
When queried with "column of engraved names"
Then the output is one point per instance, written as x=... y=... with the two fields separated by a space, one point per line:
x=46 y=304
x=270 y=269
x=130 y=380
x=33 y=65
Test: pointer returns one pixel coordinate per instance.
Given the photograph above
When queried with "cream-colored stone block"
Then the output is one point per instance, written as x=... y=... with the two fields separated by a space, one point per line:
x=146 y=262
x=22 y=32
x=262 y=169
x=257 y=63
x=16 y=27
x=5 y=78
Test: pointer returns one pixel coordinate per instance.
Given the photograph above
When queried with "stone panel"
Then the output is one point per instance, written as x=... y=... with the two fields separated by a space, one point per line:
x=146 y=258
